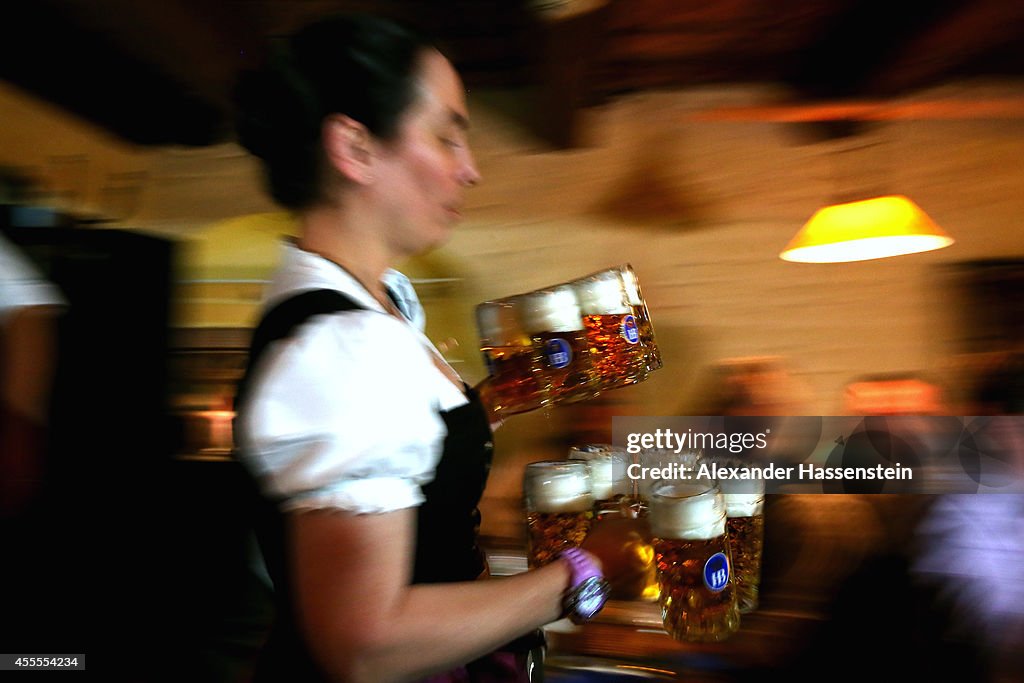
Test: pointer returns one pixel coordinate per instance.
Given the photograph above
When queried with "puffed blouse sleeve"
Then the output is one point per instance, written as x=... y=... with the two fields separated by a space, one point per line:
x=342 y=415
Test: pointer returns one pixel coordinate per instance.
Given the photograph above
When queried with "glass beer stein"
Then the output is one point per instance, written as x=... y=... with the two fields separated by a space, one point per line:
x=552 y=319
x=744 y=509
x=691 y=551
x=508 y=352
x=652 y=356
x=613 y=333
x=608 y=480
x=559 y=508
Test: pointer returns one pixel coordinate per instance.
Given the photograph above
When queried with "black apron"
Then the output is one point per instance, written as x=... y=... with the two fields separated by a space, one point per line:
x=448 y=521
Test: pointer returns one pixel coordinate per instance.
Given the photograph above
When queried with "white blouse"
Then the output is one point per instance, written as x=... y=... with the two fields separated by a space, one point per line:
x=344 y=413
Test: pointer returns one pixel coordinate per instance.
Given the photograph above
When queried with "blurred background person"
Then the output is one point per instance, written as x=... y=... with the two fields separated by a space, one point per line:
x=29 y=307
x=970 y=547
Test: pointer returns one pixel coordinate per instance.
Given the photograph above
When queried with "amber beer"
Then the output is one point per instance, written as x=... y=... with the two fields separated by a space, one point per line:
x=552 y=319
x=691 y=551
x=613 y=334
x=652 y=356
x=509 y=355
x=559 y=508
x=744 y=504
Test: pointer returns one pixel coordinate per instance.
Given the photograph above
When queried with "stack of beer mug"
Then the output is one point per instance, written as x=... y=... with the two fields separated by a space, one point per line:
x=694 y=544
x=568 y=342
x=708 y=544
x=590 y=498
x=697 y=589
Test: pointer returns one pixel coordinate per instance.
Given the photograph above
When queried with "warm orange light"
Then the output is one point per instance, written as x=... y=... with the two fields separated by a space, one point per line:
x=893 y=397
x=868 y=229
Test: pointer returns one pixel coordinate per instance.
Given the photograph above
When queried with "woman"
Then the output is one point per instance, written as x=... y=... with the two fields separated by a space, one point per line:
x=370 y=450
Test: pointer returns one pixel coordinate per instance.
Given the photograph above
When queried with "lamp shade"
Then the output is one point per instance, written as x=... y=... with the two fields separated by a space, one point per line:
x=868 y=229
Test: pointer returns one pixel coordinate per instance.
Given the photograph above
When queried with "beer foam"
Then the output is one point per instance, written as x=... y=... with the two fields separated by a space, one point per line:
x=497 y=323
x=743 y=497
x=743 y=504
x=607 y=469
x=558 y=489
x=687 y=511
x=601 y=294
x=551 y=310
x=606 y=479
x=629 y=281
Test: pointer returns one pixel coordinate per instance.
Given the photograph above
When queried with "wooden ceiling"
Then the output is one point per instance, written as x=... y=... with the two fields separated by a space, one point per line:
x=157 y=72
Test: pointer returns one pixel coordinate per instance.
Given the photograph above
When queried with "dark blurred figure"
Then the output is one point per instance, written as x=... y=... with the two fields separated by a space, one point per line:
x=98 y=572
x=970 y=555
x=1001 y=390
x=29 y=307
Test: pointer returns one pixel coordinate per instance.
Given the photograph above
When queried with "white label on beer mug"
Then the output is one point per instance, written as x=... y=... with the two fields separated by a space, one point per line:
x=630 y=332
x=716 y=572
x=558 y=352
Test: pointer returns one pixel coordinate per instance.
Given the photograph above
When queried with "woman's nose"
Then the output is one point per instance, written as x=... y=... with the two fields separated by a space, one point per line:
x=469 y=175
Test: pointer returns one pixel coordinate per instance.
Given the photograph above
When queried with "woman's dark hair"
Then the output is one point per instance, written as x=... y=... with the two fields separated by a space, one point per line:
x=360 y=66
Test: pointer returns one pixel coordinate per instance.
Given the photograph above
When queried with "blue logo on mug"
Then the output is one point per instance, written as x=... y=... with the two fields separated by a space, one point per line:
x=559 y=353
x=629 y=329
x=716 y=572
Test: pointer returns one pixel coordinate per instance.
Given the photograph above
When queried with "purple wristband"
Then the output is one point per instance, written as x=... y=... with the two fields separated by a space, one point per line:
x=581 y=566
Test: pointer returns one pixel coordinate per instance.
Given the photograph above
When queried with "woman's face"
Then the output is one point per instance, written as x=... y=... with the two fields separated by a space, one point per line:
x=423 y=174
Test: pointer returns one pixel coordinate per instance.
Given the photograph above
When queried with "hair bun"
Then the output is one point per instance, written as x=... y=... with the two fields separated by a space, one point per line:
x=274 y=107
x=358 y=66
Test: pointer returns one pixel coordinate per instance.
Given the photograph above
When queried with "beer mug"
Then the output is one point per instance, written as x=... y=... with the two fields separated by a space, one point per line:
x=608 y=480
x=691 y=552
x=508 y=353
x=744 y=509
x=552 y=319
x=613 y=335
x=620 y=530
x=652 y=356
x=559 y=508
x=658 y=465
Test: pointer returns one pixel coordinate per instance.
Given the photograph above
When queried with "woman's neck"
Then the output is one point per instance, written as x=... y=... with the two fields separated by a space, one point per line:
x=355 y=247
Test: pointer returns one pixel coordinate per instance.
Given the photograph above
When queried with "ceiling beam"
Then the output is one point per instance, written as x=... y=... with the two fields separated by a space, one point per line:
x=860 y=43
x=572 y=34
x=972 y=31
x=1006 y=108
x=149 y=76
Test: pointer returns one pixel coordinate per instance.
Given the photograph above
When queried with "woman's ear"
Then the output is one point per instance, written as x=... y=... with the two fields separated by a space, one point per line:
x=349 y=147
